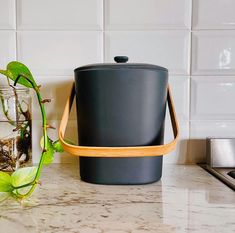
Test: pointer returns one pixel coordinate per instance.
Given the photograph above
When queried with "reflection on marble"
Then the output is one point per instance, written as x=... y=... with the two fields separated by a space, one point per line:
x=187 y=199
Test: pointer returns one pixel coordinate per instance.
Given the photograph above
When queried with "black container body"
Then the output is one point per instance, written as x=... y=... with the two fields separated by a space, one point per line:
x=120 y=171
x=122 y=106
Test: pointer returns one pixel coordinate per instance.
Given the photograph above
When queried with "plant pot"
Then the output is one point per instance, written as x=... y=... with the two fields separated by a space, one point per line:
x=15 y=128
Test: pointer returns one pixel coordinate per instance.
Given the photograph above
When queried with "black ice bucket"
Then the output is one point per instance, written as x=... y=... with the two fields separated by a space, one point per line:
x=120 y=116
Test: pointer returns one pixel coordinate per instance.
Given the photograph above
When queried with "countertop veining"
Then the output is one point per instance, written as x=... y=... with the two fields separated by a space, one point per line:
x=187 y=199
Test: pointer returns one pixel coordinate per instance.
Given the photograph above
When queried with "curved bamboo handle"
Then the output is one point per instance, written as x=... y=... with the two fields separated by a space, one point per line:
x=137 y=151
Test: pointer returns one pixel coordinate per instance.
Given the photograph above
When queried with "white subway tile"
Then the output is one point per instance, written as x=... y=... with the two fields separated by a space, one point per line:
x=200 y=130
x=213 y=14
x=148 y=14
x=213 y=52
x=179 y=156
x=54 y=14
x=57 y=52
x=7 y=14
x=165 y=48
x=204 y=129
x=56 y=88
x=213 y=98
x=180 y=91
x=71 y=134
x=7 y=48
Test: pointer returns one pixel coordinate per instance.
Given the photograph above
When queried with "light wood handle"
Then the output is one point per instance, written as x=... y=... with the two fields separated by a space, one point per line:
x=135 y=151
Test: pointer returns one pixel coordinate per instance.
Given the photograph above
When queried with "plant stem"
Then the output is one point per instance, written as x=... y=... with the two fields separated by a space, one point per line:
x=44 y=126
x=5 y=111
x=4 y=72
x=16 y=105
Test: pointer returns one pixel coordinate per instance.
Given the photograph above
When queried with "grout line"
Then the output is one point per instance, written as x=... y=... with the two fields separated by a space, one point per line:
x=191 y=39
x=7 y=29
x=148 y=29
x=110 y=30
x=16 y=46
x=212 y=29
x=190 y=72
x=191 y=15
x=55 y=30
x=213 y=75
x=212 y=120
x=190 y=104
x=16 y=15
x=103 y=14
x=117 y=30
x=16 y=35
x=103 y=49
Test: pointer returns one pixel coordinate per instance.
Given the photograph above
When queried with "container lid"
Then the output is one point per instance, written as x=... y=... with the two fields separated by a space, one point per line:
x=121 y=62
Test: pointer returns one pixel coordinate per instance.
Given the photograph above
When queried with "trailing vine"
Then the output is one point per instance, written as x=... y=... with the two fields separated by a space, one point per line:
x=22 y=182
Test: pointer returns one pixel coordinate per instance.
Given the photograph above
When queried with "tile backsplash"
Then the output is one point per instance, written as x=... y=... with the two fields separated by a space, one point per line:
x=194 y=39
x=58 y=52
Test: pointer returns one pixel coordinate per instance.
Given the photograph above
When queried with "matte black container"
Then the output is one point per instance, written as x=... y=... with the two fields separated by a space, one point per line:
x=121 y=104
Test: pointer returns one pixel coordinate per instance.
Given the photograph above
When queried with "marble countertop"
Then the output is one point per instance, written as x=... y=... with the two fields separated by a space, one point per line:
x=187 y=199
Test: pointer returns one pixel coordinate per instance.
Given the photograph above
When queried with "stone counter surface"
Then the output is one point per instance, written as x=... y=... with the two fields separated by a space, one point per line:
x=187 y=199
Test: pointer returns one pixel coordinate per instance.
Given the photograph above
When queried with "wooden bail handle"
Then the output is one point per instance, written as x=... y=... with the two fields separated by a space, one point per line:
x=135 y=151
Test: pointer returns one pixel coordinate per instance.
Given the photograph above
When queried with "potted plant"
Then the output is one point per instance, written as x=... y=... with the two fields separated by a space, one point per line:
x=20 y=184
x=15 y=128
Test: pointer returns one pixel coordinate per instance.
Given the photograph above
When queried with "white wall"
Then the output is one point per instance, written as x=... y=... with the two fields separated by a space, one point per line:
x=195 y=39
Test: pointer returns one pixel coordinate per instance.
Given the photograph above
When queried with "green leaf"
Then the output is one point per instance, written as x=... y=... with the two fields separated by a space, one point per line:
x=23 y=191
x=5 y=182
x=49 y=153
x=48 y=156
x=57 y=146
x=23 y=176
x=15 y=69
x=4 y=196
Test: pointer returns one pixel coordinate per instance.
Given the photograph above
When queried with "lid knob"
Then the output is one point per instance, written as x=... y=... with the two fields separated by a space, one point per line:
x=121 y=59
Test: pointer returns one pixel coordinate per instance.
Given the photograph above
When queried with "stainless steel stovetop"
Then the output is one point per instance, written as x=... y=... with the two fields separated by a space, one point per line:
x=220 y=159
